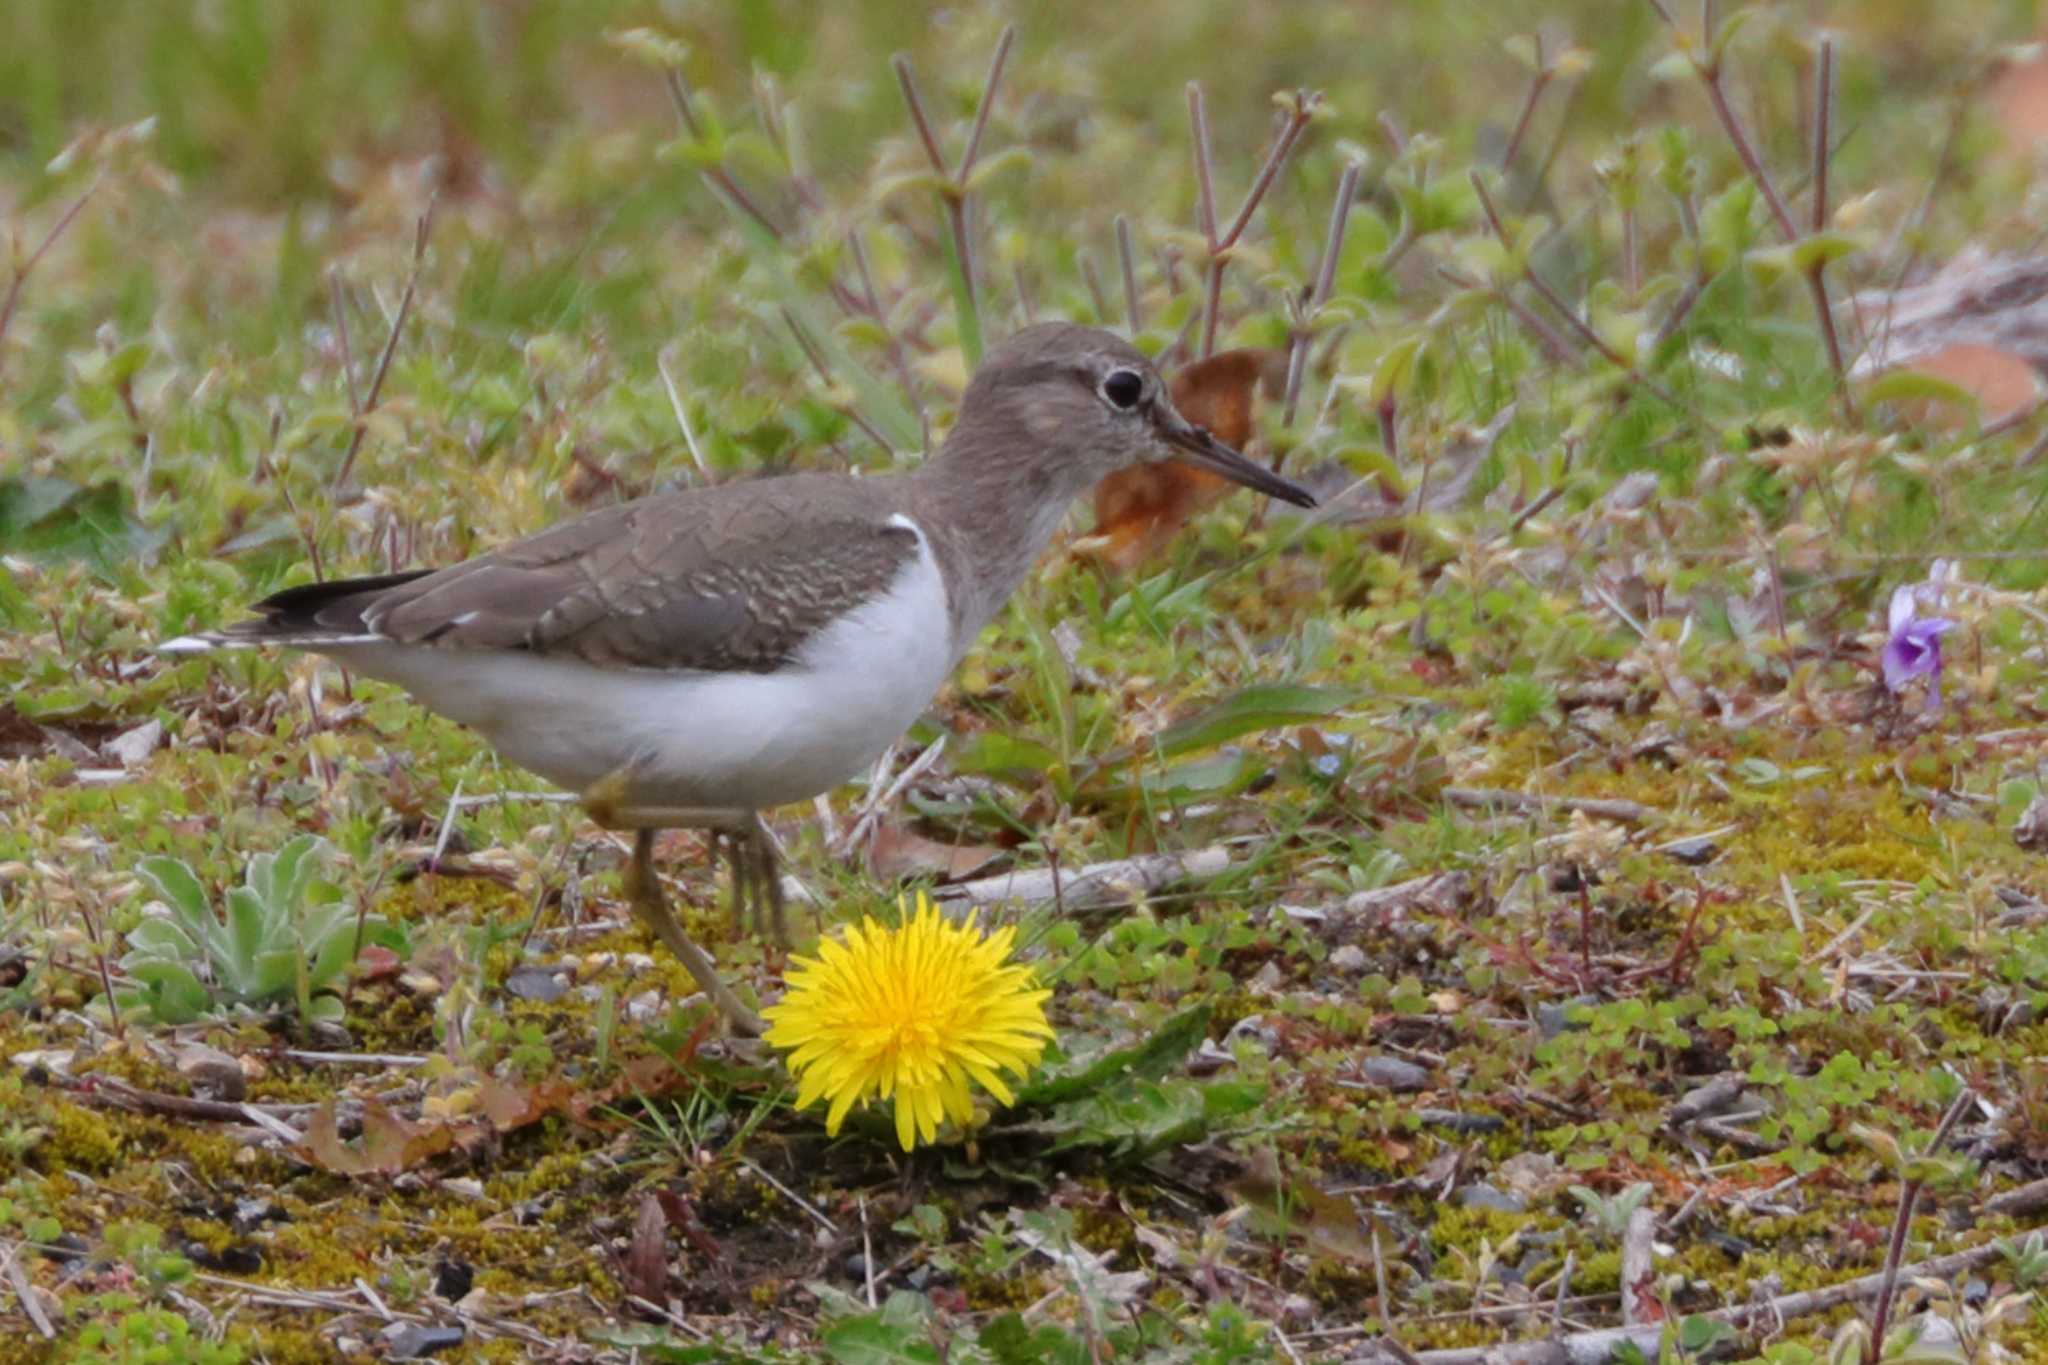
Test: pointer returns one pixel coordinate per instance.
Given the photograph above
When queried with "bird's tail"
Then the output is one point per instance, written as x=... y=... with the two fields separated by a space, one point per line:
x=311 y=616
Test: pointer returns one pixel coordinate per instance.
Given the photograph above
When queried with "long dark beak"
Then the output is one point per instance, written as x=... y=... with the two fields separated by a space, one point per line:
x=1204 y=451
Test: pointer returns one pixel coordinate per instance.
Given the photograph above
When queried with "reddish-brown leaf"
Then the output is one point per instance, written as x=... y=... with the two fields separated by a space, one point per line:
x=1138 y=510
x=898 y=854
x=645 y=1268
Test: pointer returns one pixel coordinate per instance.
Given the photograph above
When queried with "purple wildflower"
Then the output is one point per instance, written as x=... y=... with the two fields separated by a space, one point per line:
x=1913 y=649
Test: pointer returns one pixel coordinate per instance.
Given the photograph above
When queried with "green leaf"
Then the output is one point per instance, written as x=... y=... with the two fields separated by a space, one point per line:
x=1012 y=1342
x=1263 y=707
x=994 y=753
x=1203 y=779
x=336 y=950
x=872 y=1341
x=1143 y=1117
x=298 y=862
x=272 y=973
x=1148 y=1059
x=160 y=938
x=170 y=992
x=180 y=890
x=246 y=934
x=1908 y=385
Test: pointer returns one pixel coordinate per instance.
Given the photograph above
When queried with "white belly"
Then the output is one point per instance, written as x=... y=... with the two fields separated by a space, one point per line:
x=729 y=741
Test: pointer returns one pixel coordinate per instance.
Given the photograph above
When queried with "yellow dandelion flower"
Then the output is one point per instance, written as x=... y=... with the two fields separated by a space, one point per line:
x=910 y=1013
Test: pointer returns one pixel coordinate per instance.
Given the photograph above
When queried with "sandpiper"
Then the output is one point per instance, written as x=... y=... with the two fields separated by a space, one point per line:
x=691 y=659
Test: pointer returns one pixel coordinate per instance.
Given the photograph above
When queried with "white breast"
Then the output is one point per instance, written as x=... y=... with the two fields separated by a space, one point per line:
x=734 y=741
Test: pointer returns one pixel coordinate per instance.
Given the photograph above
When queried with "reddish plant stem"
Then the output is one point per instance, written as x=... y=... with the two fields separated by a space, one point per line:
x=1219 y=246
x=955 y=192
x=1564 y=310
x=1895 y=1250
x=1319 y=293
x=1717 y=95
x=717 y=175
x=421 y=232
x=1823 y=99
x=1529 y=103
x=15 y=285
x=1133 y=318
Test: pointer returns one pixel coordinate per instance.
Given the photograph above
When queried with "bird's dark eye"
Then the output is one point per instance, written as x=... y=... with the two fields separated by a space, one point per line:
x=1123 y=388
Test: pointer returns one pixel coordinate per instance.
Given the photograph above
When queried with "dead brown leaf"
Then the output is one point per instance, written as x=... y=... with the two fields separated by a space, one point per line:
x=645 y=1268
x=389 y=1144
x=1979 y=323
x=896 y=853
x=1138 y=510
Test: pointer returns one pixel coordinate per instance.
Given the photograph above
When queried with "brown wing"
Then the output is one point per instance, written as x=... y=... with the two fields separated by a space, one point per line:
x=733 y=578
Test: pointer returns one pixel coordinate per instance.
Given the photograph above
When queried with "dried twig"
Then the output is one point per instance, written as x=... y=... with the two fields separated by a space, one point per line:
x=1134 y=317
x=1491 y=798
x=1220 y=243
x=1909 y=1195
x=1093 y=887
x=18 y=1280
x=1597 y=1347
x=956 y=186
x=1319 y=294
x=421 y=232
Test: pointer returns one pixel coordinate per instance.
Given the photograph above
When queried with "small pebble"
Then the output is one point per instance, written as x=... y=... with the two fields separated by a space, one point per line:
x=1553 y=1019
x=1484 y=1196
x=541 y=984
x=1393 y=1073
x=1349 y=958
x=1462 y=1123
x=211 y=1073
x=412 y=1341
x=1693 y=852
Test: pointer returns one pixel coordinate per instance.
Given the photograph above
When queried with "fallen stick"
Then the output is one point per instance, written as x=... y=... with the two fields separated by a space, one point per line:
x=1094 y=887
x=2020 y=1200
x=1639 y=1305
x=1493 y=798
x=1598 y=1346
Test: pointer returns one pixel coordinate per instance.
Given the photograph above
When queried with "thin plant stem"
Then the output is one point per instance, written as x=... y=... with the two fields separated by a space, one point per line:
x=1134 y=317
x=1554 y=342
x=988 y=100
x=716 y=175
x=1564 y=310
x=1205 y=182
x=348 y=363
x=35 y=258
x=1219 y=245
x=1823 y=98
x=422 y=231
x=1909 y=1195
x=873 y=302
x=955 y=189
x=1529 y=103
x=1717 y=94
x=824 y=373
x=1096 y=298
x=1319 y=294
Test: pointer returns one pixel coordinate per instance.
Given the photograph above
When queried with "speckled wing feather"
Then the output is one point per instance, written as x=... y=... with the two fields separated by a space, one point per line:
x=731 y=579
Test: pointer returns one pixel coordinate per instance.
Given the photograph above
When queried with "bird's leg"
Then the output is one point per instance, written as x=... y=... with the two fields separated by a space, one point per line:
x=643 y=890
x=739 y=836
x=756 y=879
x=644 y=893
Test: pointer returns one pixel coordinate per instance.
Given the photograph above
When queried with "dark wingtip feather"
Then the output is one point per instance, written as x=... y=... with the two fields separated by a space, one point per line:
x=334 y=607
